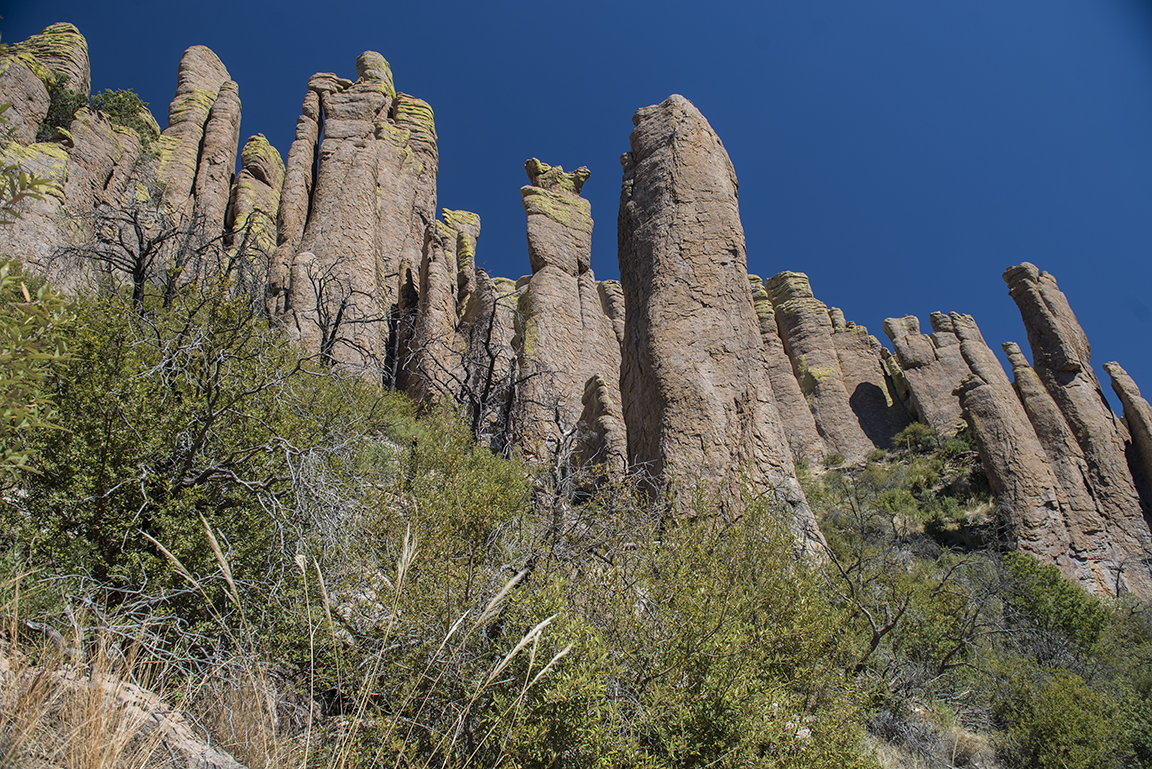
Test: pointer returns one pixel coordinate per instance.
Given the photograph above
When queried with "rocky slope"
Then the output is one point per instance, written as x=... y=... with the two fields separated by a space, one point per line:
x=686 y=372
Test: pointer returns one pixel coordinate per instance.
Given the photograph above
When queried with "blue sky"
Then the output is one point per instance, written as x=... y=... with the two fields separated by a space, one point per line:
x=902 y=153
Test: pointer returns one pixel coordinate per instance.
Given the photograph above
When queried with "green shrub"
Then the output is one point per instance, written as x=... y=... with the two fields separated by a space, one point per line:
x=1045 y=598
x=917 y=436
x=1056 y=721
x=62 y=105
x=834 y=459
x=127 y=109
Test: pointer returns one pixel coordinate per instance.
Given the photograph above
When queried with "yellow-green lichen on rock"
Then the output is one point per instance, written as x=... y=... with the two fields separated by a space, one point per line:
x=44 y=159
x=417 y=116
x=374 y=69
x=61 y=49
x=263 y=161
x=569 y=210
x=42 y=73
x=548 y=177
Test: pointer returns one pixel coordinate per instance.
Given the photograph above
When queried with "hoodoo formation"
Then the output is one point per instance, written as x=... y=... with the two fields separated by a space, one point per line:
x=687 y=372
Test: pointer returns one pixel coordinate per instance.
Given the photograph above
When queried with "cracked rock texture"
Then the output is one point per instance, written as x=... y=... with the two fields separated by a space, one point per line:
x=697 y=402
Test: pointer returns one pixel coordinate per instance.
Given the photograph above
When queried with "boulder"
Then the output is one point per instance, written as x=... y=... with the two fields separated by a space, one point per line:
x=28 y=96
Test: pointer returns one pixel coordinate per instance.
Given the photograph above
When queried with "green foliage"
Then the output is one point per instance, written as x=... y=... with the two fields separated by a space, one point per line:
x=917 y=436
x=834 y=459
x=31 y=349
x=1043 y=597
x=62 y=105
x=125 y=108
x=1056 y=721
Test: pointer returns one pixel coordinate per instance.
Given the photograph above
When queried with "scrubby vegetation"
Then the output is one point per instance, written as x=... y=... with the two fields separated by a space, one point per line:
x=318 y=575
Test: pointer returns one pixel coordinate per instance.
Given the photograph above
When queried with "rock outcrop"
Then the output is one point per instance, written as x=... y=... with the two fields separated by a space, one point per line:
x=696 y=398
x=933 y=367
x=1138 y=418
x=1062 y=362
x=62 y=50
x=346 y=228
x=565 y=336
x=799 y=426
x=806 y=330
x=255 y=199
x=198 y=148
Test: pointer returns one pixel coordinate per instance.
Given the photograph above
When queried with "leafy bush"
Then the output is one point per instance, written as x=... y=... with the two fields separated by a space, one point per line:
x=62 y=105
x=125 y=108
x=1056 y=721
x=917 y=436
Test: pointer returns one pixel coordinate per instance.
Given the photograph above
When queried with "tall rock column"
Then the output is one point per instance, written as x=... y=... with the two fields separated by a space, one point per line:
x=1062 y=361
x=695 y=394
x=198 y=148
x=565 y=336
x=799 y=426
x=255 y=200
x=1138 y=417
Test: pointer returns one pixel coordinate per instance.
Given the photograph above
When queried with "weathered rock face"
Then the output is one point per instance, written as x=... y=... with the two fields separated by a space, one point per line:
x=799 y=426
x=602 y=439
x=1092 y=552
x=566 y=336
x=195 y=123
x=344 y=232
x=695 y=393
x=1138 y=418
x=63 y=50
x=872 y=395
x=933 y=367
x=1061 y=360
x=29 y=98
x=806 y=330
x=255 y=199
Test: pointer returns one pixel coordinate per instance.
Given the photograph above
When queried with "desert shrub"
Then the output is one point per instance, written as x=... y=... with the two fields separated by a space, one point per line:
x=917 y=436
x=1056 y=721
x=62 y=105
x=125 y=108
x=1042 y=597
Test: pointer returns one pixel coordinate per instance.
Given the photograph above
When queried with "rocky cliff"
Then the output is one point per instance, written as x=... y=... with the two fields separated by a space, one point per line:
x=687 y=372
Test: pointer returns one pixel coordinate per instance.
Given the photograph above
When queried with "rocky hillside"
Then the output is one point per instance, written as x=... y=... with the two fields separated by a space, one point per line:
x=686 y=371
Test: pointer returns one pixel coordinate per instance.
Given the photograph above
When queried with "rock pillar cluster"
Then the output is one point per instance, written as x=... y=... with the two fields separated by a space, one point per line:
x=687 y=372
x=355 y=207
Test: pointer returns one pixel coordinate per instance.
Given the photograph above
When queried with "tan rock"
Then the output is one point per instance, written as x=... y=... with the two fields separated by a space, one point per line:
x=63 y=50
x=28 y=96
x=872 y=395
x=217 y=161
x=932 y=367
x=799 y=426
x=1027 y=494
x=255 y=199
x=565 y=335
x=364 y=214
x=806 y=330
x=602 y=440
x=198 y=81
x=1061 y=360
x=1138 y=418
x=695 y=394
